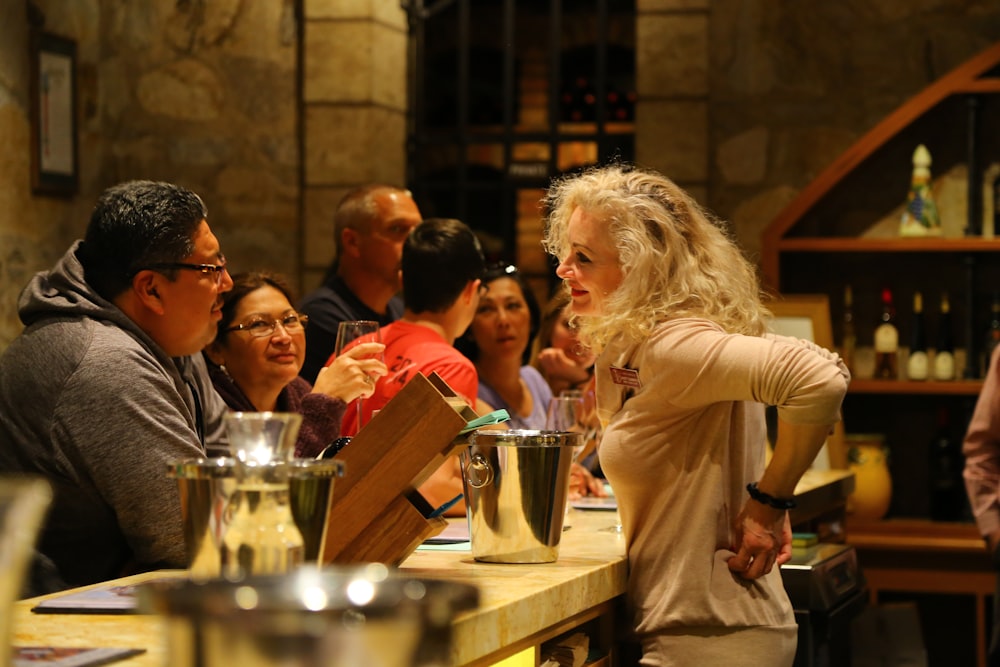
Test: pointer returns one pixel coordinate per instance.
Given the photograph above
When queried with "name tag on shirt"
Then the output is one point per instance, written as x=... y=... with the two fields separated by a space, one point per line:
x=625 y=377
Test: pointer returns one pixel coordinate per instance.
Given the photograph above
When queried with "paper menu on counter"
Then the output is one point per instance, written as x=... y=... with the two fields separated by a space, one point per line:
x=108 y=599
x=25 y=656
x=608 y=503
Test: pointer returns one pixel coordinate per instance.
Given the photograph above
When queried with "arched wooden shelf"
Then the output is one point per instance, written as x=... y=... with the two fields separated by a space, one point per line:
x=971 y=77
x=834 y=234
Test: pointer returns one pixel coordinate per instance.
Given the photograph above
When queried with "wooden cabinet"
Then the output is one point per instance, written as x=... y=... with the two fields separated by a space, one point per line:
x=830 y=237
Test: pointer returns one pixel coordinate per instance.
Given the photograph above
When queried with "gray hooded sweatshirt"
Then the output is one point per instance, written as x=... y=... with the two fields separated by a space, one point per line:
x=90 y=402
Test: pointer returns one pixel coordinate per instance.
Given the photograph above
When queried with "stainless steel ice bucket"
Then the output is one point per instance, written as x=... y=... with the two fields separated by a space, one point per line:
x=335 y=617
x=516 y=484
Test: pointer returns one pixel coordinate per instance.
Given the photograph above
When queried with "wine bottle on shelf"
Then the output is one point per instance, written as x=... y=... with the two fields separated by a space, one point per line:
x=916 y=363
x=887 y=341
x=946 y=490
x=848 y=339
x=944 y=354
x=992 y=334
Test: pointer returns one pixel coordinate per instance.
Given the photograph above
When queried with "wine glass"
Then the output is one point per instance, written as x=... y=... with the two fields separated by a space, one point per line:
x=353 y=332
x=564 y=414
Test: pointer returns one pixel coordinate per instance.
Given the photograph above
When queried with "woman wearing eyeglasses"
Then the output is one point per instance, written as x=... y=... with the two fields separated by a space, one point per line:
x=255 y=359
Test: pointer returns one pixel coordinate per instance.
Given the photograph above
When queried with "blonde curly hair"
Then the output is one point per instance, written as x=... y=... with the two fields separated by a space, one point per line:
x=677 y=260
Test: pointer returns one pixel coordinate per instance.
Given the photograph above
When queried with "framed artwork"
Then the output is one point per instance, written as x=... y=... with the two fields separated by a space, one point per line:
x=807 y=316
x=53 y=115
x=803 y=316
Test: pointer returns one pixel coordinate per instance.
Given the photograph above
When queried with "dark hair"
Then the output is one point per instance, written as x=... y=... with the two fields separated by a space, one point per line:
x=136 y=224
x=553 y=313
x=243 y=284
x=466 y=343
x=440 y=257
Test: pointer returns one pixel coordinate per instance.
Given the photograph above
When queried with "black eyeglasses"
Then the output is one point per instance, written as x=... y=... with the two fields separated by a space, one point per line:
x=261 y=328
x=205 y=269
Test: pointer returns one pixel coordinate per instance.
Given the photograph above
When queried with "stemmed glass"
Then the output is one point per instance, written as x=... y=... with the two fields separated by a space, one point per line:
x=564 y=414
x=575 y=411
x=570 y=411
x=351 y=333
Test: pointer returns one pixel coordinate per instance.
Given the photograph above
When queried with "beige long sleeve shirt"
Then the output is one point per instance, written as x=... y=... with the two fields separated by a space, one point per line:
x=680 y=445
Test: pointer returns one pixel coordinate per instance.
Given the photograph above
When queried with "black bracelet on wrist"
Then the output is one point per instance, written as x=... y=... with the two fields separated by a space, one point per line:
x=768 y=499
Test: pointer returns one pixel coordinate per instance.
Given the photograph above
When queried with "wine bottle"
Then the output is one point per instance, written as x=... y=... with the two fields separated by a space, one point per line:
x=992 y=334
x=916 y=364
x=887 y=340
x=944 y=355
x=848 y=339
x=946 y=490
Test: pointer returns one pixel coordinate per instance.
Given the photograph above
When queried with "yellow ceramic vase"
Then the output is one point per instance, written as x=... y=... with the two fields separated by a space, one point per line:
x=868 y=458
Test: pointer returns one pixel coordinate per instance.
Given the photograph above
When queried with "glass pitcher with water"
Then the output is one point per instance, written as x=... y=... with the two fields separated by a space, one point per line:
x=261 y=536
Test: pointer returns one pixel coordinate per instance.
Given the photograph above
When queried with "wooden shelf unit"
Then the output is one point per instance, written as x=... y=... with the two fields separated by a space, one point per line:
x=913 y=387
x=822 y=241
x=889 y=245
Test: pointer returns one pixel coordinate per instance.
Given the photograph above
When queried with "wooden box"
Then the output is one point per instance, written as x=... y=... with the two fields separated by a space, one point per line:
x=376 y=514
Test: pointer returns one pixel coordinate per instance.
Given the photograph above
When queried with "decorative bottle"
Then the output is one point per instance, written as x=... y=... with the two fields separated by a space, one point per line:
x=887 y=340
x=992 y=334
x=916 y=364
x=920 y=217
x=848 y=339
x=944 y=355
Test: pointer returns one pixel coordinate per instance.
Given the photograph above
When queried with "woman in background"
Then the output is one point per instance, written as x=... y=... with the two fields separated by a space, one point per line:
x=255 y=359
x=499 y=343
x=685 y=370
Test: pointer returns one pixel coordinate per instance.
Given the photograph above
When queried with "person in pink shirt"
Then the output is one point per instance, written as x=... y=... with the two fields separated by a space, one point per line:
x=982 y=479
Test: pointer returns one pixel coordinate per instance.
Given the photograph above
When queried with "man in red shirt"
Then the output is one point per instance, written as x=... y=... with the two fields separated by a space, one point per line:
x=442 y=269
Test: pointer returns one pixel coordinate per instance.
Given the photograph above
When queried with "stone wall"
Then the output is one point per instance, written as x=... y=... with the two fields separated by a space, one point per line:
x=354 y=110
x=204 y=94
x=199 y=93
x=743 y=102
x=34 y=231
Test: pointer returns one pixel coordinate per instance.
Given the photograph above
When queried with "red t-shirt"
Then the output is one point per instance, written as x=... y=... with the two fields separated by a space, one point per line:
x=411 y=349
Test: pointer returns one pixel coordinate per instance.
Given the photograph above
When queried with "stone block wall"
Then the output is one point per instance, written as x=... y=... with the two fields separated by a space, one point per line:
x=272 y=109
x=198 y=93
x=354 y=112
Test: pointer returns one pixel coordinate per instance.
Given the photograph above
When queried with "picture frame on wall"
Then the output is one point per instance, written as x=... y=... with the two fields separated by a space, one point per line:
x=54 y=157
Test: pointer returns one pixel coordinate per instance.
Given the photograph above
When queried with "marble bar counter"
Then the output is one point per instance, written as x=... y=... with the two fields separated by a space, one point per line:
x=524 y=605
x=521 y=606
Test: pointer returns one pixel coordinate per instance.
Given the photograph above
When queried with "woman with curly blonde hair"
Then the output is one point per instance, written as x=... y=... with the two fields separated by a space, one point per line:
x=686 y=368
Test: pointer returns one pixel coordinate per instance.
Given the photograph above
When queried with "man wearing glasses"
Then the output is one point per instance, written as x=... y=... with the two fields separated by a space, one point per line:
x=106 y=384
x=363 y=283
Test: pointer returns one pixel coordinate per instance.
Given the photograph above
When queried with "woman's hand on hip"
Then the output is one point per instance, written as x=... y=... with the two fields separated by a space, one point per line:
x=763 y=539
